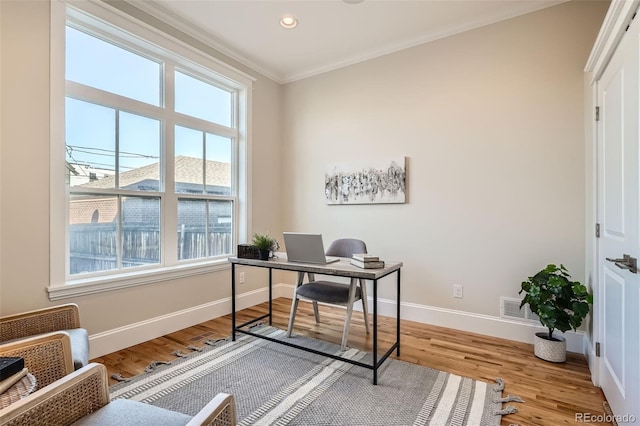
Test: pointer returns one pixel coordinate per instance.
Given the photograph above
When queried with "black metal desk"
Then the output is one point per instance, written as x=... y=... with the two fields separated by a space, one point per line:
x=342 y=269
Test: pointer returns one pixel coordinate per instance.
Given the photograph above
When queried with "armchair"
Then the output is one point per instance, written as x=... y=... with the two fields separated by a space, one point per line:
x=57 y=318
x=46 y=356
x=82 y=398
x=333 y=293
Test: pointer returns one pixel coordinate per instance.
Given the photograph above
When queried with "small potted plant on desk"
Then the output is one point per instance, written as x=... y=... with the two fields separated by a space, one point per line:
x=560 y=304
x=265 y=243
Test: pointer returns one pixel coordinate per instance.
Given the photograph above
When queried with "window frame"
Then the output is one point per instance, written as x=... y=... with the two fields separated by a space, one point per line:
x=110 y=23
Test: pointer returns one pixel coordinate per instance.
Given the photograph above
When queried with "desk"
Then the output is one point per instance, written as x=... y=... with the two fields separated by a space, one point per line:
x=342 y=269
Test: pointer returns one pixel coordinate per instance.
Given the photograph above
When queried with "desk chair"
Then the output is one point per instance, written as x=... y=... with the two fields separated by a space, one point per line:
x=332 y=292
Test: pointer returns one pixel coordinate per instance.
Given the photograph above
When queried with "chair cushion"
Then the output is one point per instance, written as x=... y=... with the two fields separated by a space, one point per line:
x=79 y=347
x=326 y=291
x=132 y=413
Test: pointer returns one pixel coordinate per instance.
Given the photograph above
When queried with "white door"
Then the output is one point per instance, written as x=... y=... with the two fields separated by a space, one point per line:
x=618 y=193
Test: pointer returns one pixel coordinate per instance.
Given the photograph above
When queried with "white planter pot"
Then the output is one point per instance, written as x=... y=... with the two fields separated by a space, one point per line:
x=550 y=350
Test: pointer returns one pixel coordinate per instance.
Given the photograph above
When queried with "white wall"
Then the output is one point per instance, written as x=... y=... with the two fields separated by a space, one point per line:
x=24 y=187
x=491 y=122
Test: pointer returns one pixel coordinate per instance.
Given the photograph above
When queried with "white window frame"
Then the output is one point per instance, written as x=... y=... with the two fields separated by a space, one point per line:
x=104 y=18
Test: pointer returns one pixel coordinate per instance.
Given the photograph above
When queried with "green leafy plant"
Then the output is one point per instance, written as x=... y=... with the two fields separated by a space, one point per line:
x=265 y=242
x=559 y=302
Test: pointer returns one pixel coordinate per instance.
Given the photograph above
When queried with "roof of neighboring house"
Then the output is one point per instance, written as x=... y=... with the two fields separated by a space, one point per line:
x=187 y=170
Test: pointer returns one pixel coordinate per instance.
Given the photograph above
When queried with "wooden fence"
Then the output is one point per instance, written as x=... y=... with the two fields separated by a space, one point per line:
x=94 y=247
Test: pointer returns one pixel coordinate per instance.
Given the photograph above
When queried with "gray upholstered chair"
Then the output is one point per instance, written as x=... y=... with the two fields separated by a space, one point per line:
x=333 y=293
x=57 y=318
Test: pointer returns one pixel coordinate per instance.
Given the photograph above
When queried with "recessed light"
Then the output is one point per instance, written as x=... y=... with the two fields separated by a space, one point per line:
x=288 y=22
x=353 y=1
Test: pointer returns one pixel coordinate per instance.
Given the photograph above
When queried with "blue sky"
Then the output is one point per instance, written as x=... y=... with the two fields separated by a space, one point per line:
x=91 y=129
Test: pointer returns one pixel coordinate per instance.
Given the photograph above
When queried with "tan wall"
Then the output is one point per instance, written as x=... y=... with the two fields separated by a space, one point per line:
x=24 y=165
x=491 y=122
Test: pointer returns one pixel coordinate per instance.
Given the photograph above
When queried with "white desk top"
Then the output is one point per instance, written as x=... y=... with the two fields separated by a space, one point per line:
x=342 y=268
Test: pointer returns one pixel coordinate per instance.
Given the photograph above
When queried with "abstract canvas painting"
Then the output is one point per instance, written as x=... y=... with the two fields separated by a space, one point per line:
x=366 y=182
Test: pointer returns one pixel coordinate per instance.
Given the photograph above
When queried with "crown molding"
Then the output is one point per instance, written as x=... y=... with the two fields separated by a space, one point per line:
x=425 y=38
x=159 y=12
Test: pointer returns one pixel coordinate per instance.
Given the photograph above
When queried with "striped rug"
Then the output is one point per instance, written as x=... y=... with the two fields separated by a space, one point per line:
x=277 y=385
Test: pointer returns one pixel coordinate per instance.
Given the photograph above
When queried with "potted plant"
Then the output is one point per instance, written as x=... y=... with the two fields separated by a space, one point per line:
x=265 y=243
x=560 y=304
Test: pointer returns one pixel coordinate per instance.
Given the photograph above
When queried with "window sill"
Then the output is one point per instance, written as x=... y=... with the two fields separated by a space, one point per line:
x=81 y=287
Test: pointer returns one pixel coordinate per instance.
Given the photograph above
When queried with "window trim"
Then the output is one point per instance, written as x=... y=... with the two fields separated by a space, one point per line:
x=61 y=286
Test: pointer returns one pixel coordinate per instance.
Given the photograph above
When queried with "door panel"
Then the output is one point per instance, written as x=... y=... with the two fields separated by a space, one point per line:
x=613 y=196
x=619 y=216
x=613 y=339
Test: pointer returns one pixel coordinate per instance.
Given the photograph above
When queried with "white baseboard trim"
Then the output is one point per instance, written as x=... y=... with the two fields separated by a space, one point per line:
x=123 y=337
x=465 y=321
x=133 y=334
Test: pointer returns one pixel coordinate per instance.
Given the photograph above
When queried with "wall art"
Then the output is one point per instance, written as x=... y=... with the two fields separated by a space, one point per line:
x=366 y=182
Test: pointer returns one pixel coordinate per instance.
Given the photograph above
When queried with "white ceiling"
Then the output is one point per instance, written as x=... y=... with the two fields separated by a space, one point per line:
x=331 y=33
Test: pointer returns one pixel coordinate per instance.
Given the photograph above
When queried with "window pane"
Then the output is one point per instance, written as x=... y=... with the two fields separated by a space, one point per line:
x=97 y=63
x=140 y=231
x=93 y=233
x=139 y=153
x=192 y=232
x=220 y=226
x=189 y=160
x=202 y=100
x=218 y=164
x=90 y=144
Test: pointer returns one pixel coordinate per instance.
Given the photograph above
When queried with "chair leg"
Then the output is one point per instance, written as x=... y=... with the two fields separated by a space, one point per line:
x=316 y=312
x=347 y=320
x=292 y=316
x=365 y=304
x=294 y=304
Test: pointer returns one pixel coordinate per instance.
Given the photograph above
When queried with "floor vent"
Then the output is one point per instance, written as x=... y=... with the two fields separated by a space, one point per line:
x=510 y=308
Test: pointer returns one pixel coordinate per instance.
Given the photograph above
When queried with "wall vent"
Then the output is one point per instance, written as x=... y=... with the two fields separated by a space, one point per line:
x=510 y=309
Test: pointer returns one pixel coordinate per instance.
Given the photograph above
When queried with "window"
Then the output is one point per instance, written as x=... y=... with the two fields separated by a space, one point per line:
x=155 y=146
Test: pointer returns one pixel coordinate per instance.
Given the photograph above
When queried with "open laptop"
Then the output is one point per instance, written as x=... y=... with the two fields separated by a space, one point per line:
x=306 y=248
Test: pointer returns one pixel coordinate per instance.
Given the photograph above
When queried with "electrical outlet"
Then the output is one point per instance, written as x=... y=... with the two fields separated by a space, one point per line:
x=457 y=291
x=241 y=277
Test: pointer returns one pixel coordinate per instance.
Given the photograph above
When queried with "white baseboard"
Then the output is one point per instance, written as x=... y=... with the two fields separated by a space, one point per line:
x=465 y=321
x=133 y=334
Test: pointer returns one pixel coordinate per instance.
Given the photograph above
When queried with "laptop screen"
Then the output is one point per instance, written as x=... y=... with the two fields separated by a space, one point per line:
x=306 y=248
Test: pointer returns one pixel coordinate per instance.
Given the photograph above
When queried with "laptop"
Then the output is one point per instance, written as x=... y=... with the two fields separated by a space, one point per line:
x=306 y=248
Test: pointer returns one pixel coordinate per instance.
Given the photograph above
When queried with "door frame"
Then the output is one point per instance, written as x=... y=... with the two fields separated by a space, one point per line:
x=613 y=28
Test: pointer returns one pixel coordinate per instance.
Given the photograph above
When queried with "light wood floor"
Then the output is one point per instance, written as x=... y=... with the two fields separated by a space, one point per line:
x=553 y=393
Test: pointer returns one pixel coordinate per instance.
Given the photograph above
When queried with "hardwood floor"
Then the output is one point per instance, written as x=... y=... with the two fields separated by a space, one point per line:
x=553 y=393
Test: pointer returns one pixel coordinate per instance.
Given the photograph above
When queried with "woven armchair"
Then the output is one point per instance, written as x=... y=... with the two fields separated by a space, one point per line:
x=57 y=318
x=82 y=398
x=46 y=356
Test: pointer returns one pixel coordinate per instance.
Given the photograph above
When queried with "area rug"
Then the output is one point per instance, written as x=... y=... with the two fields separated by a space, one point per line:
x=277 y=385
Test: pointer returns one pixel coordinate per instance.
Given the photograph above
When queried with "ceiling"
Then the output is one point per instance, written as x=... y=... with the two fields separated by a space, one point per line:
x=331 y=33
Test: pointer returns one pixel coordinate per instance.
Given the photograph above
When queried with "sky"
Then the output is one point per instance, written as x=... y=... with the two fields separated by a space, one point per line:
x=91 y=129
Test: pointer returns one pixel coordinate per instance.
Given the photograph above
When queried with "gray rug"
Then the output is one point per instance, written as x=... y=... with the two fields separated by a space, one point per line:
x=277 y=385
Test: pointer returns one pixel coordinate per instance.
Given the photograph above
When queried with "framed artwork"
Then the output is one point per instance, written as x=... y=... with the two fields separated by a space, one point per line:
x=366 y=182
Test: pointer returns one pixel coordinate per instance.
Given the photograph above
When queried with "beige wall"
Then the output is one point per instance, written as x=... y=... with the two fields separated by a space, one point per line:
x=491 y=122
x=24 y=178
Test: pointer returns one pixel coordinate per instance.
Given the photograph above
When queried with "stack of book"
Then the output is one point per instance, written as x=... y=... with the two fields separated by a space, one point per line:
x=367 y=261
x=11 y=372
